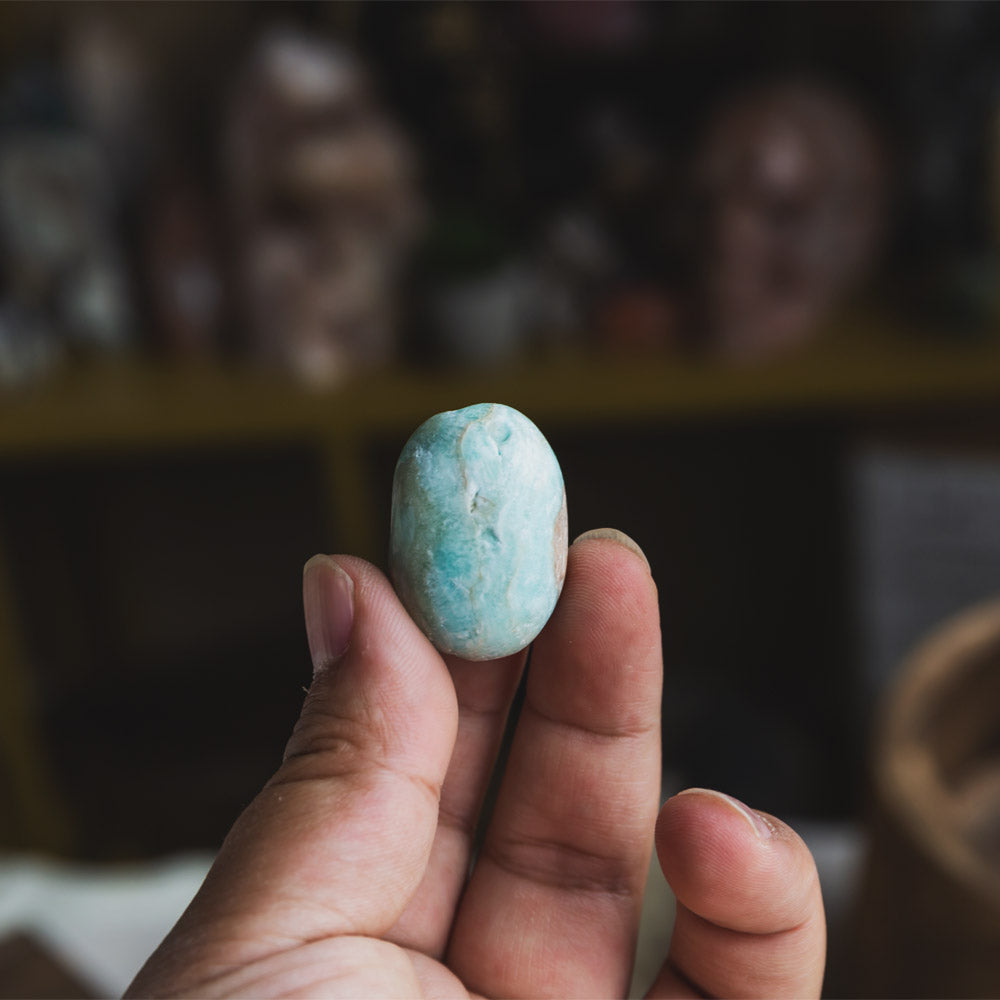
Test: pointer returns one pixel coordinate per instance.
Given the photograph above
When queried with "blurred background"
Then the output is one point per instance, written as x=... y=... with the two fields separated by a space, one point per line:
x=740 y=264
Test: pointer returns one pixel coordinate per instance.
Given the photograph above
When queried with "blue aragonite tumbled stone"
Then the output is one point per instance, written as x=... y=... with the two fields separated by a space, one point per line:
x=477 y=547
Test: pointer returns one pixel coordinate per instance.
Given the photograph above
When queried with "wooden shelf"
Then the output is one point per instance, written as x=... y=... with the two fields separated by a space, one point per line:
x=143 y=405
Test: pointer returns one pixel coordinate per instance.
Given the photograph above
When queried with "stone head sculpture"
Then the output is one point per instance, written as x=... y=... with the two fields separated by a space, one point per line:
x=792 y=186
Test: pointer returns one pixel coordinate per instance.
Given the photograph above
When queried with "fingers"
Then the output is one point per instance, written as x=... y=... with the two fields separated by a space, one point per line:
x=485 y=691
x=750 y=919
x=338 y=840
x=552 y=906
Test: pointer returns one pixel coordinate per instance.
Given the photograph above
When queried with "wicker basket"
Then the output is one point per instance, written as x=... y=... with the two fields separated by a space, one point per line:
x=929 y=922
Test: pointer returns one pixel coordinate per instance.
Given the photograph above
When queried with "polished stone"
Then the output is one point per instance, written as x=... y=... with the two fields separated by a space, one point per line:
x=478 y=542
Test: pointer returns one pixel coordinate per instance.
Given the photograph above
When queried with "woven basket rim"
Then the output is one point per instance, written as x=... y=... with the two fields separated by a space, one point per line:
x=907 y=777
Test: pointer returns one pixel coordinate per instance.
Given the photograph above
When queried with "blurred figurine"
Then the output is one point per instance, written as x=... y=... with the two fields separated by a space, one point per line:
x=63 y=283
x=63 y=275
x=324 y=205
x=793 y=182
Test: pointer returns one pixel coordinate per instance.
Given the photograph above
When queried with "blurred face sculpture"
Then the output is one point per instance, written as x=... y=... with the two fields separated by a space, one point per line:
x=792 y=179
x=325 y=209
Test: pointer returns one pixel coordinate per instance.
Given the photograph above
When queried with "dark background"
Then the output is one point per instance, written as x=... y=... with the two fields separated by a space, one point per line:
x=153 y=587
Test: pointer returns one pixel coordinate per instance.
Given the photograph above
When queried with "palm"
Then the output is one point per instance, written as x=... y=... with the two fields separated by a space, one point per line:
x=349 y=874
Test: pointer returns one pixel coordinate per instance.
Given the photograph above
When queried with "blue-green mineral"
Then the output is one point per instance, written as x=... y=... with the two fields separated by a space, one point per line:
x=477 y=547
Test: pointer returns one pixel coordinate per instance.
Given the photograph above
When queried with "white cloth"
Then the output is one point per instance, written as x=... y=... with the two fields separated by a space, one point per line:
x=103 y=921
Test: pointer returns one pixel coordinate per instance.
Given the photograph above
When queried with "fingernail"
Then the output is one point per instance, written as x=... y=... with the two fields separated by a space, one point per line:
x=614 y=535
x=328 y=596
x=758 y=823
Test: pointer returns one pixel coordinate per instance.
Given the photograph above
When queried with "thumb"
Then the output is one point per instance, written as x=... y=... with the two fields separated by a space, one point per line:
x=338 y=840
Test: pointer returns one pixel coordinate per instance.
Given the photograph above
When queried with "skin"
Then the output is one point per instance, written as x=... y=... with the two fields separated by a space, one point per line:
x=348 y=875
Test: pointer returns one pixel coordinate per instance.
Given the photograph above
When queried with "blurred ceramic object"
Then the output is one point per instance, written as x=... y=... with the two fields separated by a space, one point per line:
x=28 y=347
x=639 y=320
x=792 y=178
x=186 y=283
x=574 y=262
x=483 y=320
x=325 y=209
x=94 y=301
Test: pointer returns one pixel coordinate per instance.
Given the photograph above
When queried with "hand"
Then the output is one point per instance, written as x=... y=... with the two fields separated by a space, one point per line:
x=348 y=876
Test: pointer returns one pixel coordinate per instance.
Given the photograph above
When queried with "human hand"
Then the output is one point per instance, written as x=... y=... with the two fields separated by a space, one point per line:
x=348 y=875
